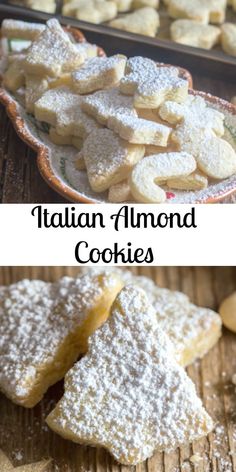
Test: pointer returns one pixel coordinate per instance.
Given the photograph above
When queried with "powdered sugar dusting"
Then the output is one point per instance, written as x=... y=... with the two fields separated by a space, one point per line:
x=35 y=318
x=128 y=394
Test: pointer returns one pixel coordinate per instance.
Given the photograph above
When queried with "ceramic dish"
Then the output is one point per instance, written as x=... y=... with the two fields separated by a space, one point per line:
x=57 y=163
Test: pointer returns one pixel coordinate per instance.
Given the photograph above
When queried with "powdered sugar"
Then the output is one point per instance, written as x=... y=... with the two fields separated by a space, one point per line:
x=127 y=393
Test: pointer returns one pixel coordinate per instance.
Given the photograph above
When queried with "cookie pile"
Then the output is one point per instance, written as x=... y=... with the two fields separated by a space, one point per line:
x=138 y=128
x=129 y=392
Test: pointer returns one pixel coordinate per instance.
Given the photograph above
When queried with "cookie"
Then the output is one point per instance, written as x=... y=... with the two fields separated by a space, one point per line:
x=214 y=156
x=14 y=77
x=228 y=38
x=66 y=141
x=151 y=85
x=94 y=11
x=204 y=11
x=143 y=21
x=145 y=3
x=194 y=111
x=128 y=394
x=47 y=6
x=120 y=192
x=36 y=315
x=228 y=312
x=98 y=73
x=158 y=168
x=193 y=330
x=106 y=103
x=123 y=5
x=63 y=57
x=61 y=108
x=108 y=158
x=194 y=181
x=35 y=87
x=139 y=131
x=193 y=33
x=17 y=29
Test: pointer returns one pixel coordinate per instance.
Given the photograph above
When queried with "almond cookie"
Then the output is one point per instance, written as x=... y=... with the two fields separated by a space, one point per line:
x=66 y=141
x=123 y=5
x=14 y=76
x=94 y=11
x=17 y=29
x=158 y=168
x=228 y=38
x=128 y=394
x=143 y=21
x=35 y=87
x=193 y=330
x=139 y=131
x=120 y=192
x=61 y=108
x=193 y=111
x=194 y=181
x=145 y=3
x=99 y=73
x=151 y=85
x=45 y=326
x=193 y=33
x=52 y=53
x=108 y=158
x=214 y=156
x=204 y=11
x=106 y=103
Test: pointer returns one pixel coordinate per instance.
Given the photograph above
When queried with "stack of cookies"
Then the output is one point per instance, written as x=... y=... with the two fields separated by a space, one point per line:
x=129 y=392
x=138 y=128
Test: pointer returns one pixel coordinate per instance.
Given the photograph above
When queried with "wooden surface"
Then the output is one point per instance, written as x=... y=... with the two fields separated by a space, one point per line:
x=25 y=438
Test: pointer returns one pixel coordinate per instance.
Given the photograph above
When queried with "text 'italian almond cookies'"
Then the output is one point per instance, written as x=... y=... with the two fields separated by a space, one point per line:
x=128 y=394
x=44 y=327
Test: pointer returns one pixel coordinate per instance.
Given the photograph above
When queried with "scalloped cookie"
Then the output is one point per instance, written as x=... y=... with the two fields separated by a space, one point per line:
x=45 y=326
x=128 y=394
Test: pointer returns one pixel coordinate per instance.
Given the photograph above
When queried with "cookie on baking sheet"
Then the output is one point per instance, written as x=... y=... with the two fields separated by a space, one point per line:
x=99 y=73
x=151 y=84
x=204 y=11
x=228 y=38
x=108 y=158
x=193 y=330
x=94 y=11
x=145 y=3
x=128 y=394
x=45 y=326
x=52 y=53
x=155 y=169
x=61 y=108
x=123 y=5
x=143 y=21
x=193 y=33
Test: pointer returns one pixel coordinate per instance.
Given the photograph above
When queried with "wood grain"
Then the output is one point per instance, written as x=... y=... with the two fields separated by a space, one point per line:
x=25 y=438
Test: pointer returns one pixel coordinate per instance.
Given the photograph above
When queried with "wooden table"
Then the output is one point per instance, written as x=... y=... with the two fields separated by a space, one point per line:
x=25 y=438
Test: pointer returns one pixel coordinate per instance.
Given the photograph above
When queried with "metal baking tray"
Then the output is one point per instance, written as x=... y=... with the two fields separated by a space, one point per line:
x=213 y=63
